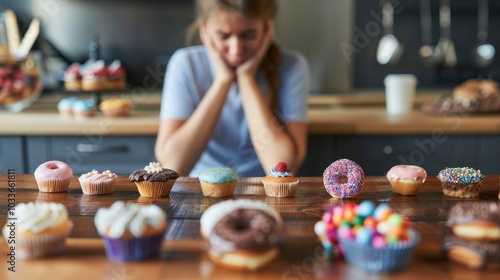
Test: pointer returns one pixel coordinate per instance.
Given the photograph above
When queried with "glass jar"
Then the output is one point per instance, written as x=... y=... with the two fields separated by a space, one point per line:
x=20 y=84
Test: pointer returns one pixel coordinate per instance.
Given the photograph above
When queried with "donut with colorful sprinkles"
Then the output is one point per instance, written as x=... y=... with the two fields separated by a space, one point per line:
x=339 y=169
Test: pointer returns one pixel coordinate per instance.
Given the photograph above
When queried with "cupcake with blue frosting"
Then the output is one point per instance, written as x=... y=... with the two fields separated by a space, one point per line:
x=84 y=108
x=65 y=106
x=218 y=181
x=280 y=181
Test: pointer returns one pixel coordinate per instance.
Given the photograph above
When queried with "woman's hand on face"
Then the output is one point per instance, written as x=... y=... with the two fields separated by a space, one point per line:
x=223 y=72
x=251 y=65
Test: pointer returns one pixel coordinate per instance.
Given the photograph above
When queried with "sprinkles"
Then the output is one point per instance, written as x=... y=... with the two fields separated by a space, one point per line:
x=460 y=175
x=339 y=169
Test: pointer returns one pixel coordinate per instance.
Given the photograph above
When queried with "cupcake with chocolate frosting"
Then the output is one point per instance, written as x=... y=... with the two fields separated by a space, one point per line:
x=280 y=182
x=131 y=232
x=154 y=180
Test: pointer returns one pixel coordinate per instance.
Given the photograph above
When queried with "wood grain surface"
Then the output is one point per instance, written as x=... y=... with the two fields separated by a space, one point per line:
x=182 y=257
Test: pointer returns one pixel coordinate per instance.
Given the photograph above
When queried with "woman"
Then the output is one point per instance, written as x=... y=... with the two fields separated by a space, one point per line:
x=236 y=101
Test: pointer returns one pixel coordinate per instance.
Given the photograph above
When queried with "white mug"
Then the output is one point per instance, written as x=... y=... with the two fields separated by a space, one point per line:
x=399 y=93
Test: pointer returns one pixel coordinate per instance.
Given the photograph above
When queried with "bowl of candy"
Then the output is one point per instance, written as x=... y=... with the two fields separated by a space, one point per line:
x=371 y=238
x=20 y=84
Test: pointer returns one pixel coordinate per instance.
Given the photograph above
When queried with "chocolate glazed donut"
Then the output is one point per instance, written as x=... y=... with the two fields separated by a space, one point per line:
x=249 y=229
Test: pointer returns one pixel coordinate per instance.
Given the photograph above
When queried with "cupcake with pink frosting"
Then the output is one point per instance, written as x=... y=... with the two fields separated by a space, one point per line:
x=154 y=180
x=406 y=179
x=131 y=232
x=95 y=182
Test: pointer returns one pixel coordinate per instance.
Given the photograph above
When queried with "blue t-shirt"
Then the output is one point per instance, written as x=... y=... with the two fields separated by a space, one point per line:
x=190 y=74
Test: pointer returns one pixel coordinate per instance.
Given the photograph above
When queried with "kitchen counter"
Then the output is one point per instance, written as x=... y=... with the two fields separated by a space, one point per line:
x=182 y=256
x=360 y=113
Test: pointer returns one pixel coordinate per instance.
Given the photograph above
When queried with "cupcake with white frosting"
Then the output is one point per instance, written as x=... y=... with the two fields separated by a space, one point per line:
x=40 y=229
x=95 y=182
x=154 y=180
x=131 y=232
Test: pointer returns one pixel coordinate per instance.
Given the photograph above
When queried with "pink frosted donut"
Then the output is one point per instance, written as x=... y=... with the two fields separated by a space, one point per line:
x=53 y=176
x=343 y=168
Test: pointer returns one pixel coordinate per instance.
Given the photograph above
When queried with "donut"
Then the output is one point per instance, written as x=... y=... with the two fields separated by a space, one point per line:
x=472 y=253
x=241 y=234
x=53 y=176
x=475 y=221
x=406 y=179
x=338 y=170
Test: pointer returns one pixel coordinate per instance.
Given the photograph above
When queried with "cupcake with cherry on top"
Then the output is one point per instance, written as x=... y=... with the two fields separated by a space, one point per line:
x=280 y=181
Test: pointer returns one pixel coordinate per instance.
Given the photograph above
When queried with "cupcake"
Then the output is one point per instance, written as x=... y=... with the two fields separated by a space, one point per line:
x=72 y=77
x=462 y=182
x=406 y=179
x=131 y=232
x=115 y=108
x=218 y=181
x=280 y=182
x=95 y=182
x=116 y=76
x=65 y=106
x=373 y=239
x=53 y=176
x=84 y=108
x=40 y=229
x=154 y=180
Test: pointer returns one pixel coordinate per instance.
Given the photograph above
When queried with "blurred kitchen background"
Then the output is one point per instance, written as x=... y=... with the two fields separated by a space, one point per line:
x=339 y=38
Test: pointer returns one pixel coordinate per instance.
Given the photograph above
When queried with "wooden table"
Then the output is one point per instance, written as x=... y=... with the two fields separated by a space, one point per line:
x=300 y=258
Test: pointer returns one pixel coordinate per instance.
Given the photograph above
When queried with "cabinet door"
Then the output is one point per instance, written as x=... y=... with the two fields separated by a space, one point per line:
x=121 y=155
x=488 y=154
x=11 y=154
x=377 y=154
x=320 y=153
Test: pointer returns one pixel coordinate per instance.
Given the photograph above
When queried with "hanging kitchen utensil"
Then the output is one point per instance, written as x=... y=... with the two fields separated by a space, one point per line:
x=445 y=49
x=389 y=48
x=483 y=53
x=427 y=51
x=12 y=30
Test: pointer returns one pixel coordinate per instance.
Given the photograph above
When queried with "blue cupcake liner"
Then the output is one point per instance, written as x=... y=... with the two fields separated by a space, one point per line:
x=133 y=249
x=388 y=259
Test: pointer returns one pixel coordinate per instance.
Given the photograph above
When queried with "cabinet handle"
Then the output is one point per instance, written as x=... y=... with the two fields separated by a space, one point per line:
x=91 y=148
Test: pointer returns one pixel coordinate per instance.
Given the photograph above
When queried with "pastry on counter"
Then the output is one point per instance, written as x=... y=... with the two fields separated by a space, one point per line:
x=339 y=170
x=242 y=234
x=475 y=234
x=464 y=182
x=218 y=181
x=73 y=77
x=406 y=179
x=95 y=77
x=84 y=108
x=65 y=106
x=131 y=232
x=154 y=180
x=472 y=96
x=40 y=229
x=115 y=107
x=280 y=181
x=116 y=76
x=95 y=182
x=53 y=176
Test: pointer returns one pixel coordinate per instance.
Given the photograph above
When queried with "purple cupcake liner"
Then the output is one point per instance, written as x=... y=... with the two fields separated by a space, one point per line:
x=133 y=249
x=370 y=259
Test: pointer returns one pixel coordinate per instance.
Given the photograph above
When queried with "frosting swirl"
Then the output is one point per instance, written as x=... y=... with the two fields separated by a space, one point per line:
x=95 y=176
x=128 y=217
x=275 y=173
x=153 y=167
x=39 y=216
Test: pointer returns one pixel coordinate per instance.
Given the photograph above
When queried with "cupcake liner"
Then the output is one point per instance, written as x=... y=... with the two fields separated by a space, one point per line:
x=461 y=190
x=95 y=188
x=155 y=189
x=370 y=259
x=275 y=189
x=37 y=246
x=219 y=189
x=53 y=184
x=133 y=249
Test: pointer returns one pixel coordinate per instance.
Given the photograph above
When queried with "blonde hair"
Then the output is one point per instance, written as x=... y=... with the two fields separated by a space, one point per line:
x=261 y=9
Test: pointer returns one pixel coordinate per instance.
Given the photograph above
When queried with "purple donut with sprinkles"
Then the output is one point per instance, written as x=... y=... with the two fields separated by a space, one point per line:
x=343 y=168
